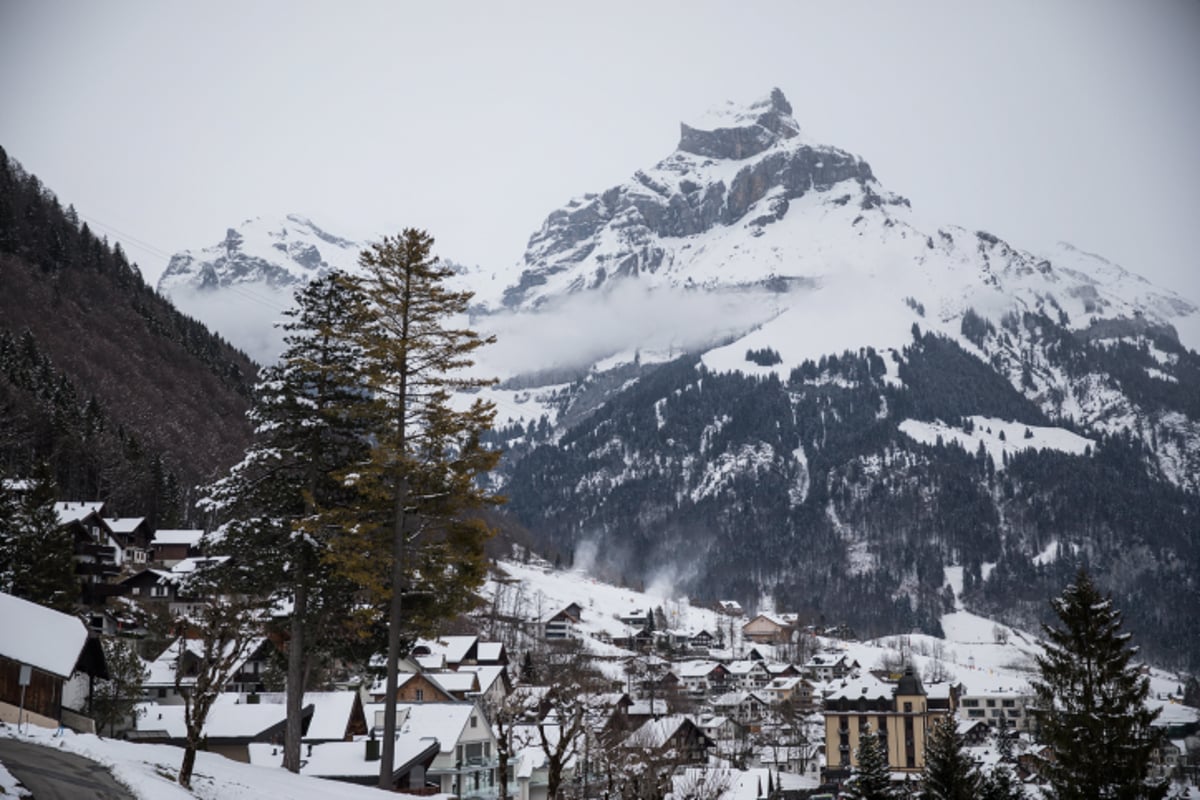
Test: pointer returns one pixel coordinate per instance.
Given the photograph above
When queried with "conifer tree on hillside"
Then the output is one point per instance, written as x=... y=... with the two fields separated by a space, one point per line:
x=37 y=552
x=274 y=503
x=949 y=773
x=115 y=699
x=1091 y=702
x=413 y=543
x=872 y=776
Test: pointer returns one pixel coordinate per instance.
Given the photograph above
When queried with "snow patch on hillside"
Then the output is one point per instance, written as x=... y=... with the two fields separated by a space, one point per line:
x=998 y=437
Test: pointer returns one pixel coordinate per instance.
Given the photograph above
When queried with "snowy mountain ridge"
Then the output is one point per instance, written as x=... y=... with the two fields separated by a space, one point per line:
x=278 y=253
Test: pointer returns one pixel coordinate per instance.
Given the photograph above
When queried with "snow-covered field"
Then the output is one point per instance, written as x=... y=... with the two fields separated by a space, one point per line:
x=999 y=437
x=149 y=771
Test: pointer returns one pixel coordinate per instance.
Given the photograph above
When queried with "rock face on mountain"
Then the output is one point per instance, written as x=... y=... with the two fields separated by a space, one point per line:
x=735 y=167
x=277 y=254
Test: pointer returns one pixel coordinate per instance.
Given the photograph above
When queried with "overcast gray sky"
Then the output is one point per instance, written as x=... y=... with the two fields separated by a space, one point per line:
x=170 y=122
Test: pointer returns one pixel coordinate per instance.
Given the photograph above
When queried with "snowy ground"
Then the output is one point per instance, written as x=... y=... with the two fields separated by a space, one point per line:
x=10 y=786
x=149 y=771
x=998 y=437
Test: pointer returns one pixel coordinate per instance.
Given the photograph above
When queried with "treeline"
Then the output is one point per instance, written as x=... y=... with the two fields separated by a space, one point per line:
x=131 y=401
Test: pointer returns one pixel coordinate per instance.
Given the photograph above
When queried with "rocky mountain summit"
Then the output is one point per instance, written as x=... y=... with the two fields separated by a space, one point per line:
x=735 y=166
x=278 y=254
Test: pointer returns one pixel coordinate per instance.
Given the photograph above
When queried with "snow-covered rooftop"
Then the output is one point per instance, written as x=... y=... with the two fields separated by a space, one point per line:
x=189 y=537
x=41 y=637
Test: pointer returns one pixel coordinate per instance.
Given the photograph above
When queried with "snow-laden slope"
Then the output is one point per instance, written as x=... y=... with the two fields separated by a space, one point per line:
x=1000 y=438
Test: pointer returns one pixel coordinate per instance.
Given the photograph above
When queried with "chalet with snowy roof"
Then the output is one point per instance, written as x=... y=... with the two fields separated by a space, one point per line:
x=51 y=647
x=795 y=690
x=169 y=547
x=702 y=639
x=466 y=762
x=770 y=628
x=748 y=675
x=456 y=652
x=747 y=708
x=721 y=728
x=97 y=555
x=560 y=624
x=151 y=585
x=731 y=608
x=701 y=678
x=903 y=712
x=132 y=535
x=183 y=656
x=637 y=618
x=676 y=734
x=829 y=667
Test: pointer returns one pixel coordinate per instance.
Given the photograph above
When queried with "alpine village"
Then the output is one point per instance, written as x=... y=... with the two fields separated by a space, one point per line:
x=706 y=573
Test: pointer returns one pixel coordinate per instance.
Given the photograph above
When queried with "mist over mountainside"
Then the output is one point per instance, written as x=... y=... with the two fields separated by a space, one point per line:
x=754 y=369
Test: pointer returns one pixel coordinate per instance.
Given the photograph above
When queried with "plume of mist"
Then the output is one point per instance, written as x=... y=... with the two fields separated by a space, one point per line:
x=247 y=315
x=587 y=327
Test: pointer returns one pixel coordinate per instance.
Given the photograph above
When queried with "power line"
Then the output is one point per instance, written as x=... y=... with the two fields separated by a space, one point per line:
x=241 y=291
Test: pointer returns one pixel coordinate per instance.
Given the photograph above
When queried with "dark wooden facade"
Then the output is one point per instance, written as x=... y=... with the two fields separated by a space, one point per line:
x=42 y=696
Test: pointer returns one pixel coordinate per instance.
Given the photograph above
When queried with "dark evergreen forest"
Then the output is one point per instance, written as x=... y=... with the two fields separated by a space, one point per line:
x=128 y=400
x=692 y=475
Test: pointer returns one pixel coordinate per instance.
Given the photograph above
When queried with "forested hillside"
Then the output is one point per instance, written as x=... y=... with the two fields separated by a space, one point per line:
x=128 y=400
x=807 y=492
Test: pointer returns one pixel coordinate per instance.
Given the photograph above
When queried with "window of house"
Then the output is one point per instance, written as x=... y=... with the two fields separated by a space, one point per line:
x=136 y=590
x=908 y=708
x=419 y=695
x=162 y=692
x=1008 y=703
x=991 y=703
x=971 y=703
x=975 y=712
x=474 y=722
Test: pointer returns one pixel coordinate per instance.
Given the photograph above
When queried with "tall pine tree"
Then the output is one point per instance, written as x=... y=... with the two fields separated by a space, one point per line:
x=1091 y=702
x=949 y=773
x=277 y=500
x=419 y=482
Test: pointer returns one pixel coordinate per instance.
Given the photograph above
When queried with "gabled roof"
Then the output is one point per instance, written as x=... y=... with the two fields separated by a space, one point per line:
x=744 y=667
x=655 y=733
x=331 y=712
x=453 y=648
x=189 y=537
x=124 y=524
x=190 y=565
x=348 y=759
x=74 y=511
x=697 y=669
x=230 y=717
x=41 y=637
x=443 y=721
x=460 y=683
x=488 y=674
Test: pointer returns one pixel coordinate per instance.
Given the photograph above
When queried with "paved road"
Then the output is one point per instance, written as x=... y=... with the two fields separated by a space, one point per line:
x=52 y=774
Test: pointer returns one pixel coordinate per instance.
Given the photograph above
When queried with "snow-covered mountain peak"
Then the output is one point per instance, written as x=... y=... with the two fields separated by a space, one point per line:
x=279 y=253
x=736 y=172
x=733 y=131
